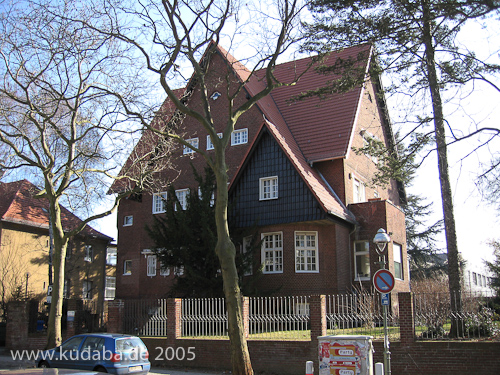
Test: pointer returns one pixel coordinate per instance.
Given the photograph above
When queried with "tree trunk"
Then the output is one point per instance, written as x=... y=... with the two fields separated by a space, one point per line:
x=226 y=252
x=54 y=331
x=444 y=178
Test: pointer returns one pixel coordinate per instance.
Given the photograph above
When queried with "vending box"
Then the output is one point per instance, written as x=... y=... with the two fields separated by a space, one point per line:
x=345 y=355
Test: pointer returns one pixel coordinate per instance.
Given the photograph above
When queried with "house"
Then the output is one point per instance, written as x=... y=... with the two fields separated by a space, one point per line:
x=25 y=245
x=295 y=174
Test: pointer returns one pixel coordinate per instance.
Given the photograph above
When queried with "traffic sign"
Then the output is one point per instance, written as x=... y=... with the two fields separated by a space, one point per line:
x=383 y=280
x=385 y=299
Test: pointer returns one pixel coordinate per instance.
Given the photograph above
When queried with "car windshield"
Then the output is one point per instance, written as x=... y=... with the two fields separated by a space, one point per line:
x=130 y=343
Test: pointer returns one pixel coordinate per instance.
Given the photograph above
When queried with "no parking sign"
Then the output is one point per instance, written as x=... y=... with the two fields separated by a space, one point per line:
x=383 y=281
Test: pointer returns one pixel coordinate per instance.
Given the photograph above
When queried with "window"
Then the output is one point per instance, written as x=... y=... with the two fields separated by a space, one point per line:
x=127 y=267
x=182 y=195
x=474 y=278
x=128 y=220
x=151 y=265
x=179 y=271
x=268 y=188
x=87 y=290
x=164 y=271
x=66 y=290
x=69 y=250
x=111 y=256
x=362 y=260
x=272 y=252
x=359 y=191
x=239 y=137
x=246 y=248
x=193 y=142
x=210 y=145
x=306 y=252
x=159 y=202
x=110 y=288
x=89 y=253
x=398 y=261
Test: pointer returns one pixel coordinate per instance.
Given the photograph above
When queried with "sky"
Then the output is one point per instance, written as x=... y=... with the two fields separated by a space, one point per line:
x=476 y=221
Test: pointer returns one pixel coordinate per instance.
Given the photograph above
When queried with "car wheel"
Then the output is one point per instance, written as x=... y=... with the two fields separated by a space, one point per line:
x=44 y=364
x=100 y=369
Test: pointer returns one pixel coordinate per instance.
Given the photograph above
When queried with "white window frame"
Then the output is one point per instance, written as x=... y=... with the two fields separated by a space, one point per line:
x=359 y=191
x=186 y=150
x=363 y=253
x=151 y=265
x=182 y=195
x=306 y=252
x=272 y=252
x=397 y=255
x=239 y=137
x=109 y=288
x=127 y=267
x=159 y=202
x=128 y=220
x=111 y=256
x=164 y=271
x=88 y=253
x=210 y=145
x=268 y=188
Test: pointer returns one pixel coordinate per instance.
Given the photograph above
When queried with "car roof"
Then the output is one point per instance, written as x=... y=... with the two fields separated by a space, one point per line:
x=110 y=335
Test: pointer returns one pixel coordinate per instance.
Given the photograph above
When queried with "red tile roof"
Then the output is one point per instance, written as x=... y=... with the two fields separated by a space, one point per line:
x=19 y=205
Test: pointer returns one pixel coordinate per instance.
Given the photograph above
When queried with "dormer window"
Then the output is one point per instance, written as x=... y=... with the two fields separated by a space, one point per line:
x=216 y=95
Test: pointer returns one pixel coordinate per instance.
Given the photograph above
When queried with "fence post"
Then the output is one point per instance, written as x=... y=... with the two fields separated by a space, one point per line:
x=16 y=335
x=246 y=315
x=174 y=322
x=406 y=317
x=115 y=312
x=317 y=311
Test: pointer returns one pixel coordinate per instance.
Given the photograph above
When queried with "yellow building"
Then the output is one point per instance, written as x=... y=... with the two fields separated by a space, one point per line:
x=25 y=247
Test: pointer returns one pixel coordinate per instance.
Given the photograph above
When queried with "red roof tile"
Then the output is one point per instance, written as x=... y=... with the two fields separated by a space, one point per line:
x=19 y=205
x=322 y=128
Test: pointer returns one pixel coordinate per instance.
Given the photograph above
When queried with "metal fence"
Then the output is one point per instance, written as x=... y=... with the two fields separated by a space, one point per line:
x=435 y=319
x=282 y=318
x=361 y=314
x=145 y=317
x=204 y=318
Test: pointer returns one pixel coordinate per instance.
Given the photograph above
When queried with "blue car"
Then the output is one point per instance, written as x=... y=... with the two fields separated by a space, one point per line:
x=102 y=352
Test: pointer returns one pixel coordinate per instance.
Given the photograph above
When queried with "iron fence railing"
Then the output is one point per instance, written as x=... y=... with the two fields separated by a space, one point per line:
x=361 y=314
x=463 y=315
x=145 y=317
x=283 y=318
x=204 y=317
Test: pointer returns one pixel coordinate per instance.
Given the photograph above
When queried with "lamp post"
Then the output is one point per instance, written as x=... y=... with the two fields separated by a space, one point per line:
x=381 y=240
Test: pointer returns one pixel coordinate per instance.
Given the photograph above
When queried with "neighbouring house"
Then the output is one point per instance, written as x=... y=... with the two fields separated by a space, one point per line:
x=294 y=174
x=25 y=245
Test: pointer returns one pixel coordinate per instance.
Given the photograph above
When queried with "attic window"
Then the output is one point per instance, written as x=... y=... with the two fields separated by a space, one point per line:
x=216 y=95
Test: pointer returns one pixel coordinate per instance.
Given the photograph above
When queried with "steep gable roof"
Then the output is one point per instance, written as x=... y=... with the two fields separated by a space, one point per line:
x=19 y=205
x=322 y=128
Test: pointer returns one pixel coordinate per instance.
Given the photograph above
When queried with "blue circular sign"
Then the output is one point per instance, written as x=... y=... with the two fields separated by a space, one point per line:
x=383 y=281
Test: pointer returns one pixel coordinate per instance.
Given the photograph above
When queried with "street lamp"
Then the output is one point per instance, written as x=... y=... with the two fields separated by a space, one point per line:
x=381 y=240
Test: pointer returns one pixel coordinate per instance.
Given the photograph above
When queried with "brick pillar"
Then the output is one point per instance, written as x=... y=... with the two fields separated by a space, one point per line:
x=246 y=315
x=174 y=323
x=115 y=312
x=317 y=310
x=406 y=323
x=16 y=335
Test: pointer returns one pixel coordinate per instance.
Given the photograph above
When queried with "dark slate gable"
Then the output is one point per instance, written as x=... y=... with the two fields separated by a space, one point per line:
x=295 y=202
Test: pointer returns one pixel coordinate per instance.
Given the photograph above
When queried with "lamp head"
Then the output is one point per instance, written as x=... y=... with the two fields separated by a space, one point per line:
x=381 y=240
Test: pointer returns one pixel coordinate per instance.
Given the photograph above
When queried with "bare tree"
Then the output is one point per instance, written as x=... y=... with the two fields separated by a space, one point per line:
x=60 y=127
x=177 y=39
